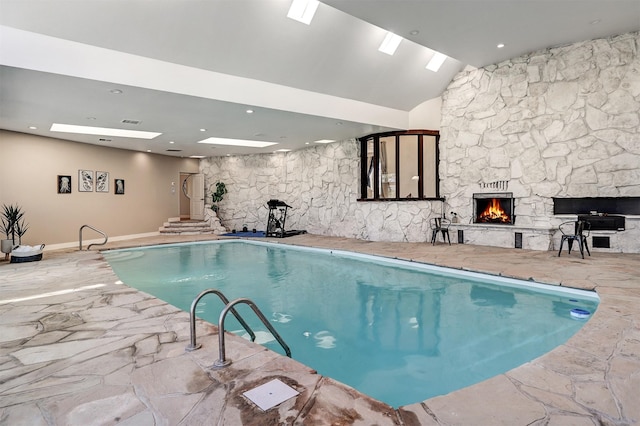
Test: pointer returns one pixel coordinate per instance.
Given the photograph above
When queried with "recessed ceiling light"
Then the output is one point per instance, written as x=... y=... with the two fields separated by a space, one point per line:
x=390 y=43
x=500 y=46
x=282 y=150
x=103 y=131
x=197 y=156
x=324 y=141
x=33 y=127
x=414 y=32
x=228 y=155
x=203 y=130
x=436 y=61
x=172 y=142
x=116 y=91
x=249 y=111
x=237 y=142
x=148 y=150
x=303 y=10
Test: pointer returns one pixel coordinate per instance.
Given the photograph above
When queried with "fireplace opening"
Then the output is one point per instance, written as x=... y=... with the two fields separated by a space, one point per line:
x=494 y=208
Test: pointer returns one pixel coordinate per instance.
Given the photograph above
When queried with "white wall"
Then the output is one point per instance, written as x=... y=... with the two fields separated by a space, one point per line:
x=29 y=166
x=427 y=115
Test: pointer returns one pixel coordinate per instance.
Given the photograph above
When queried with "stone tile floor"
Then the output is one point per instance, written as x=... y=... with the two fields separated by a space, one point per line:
x=77 y=347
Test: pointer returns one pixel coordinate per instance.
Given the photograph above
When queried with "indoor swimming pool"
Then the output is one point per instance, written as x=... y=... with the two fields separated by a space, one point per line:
x=399 y=331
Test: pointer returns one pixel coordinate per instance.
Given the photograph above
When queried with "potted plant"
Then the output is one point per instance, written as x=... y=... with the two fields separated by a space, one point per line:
x=217 y=196
x=21 y=229
x=12 y=224
x=6 y=244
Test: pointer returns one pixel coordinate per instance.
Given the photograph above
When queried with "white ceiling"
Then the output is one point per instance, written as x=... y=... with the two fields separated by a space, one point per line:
x=183 y=65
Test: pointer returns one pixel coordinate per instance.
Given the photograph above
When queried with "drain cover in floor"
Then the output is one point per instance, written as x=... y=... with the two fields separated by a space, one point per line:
x=270 y=394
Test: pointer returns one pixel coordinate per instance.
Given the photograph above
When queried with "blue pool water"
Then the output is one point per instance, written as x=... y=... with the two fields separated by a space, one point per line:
x=400 y=332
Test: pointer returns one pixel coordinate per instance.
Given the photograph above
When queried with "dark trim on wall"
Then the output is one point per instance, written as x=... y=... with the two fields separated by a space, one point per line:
x=608 y=205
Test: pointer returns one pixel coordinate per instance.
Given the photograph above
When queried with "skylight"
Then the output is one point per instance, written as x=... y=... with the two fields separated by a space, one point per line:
x=237 y=142
x=390 y=43
x=102 y=131
x=303 y=10
x=436 y=61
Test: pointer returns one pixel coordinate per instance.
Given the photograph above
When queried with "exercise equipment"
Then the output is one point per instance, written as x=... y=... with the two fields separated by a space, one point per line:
x=277 y=220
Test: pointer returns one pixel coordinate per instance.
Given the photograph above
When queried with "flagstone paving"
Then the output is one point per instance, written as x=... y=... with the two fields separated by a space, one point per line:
x=78 y=347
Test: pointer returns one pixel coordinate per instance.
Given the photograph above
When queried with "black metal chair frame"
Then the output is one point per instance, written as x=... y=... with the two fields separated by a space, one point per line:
x=440 y=224
x=581 y=231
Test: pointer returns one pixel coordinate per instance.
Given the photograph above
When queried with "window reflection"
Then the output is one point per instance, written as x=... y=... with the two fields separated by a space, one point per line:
x=388 y=167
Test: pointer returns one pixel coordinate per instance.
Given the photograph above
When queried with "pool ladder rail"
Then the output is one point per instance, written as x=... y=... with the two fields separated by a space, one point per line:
x=222 y=361
x=192 y=314
x=95 y=244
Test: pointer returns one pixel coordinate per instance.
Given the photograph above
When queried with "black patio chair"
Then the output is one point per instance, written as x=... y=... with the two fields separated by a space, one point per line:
x=581 y=230
x=440 y=225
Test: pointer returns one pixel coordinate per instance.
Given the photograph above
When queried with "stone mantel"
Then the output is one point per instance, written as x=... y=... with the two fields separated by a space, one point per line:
x=495 y=226
x=489 y=234
x=539 y=238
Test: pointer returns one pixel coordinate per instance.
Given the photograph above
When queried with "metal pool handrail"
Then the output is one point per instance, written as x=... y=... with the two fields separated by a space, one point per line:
x=192 y=313
x=96 y=244
x=222 y=361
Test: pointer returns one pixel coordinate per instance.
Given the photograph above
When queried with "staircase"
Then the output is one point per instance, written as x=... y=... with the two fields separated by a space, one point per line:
x=175 y=226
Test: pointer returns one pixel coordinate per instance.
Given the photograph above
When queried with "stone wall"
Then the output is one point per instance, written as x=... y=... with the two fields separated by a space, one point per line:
x=564 y=122
x=322 y=185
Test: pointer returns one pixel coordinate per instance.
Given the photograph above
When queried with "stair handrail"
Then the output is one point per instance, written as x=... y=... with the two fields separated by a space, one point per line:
x=106 y=238
x=222 y=361
x=192 y=314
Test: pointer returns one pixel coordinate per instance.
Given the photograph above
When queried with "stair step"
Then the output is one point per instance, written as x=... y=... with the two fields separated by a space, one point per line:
x=186 y=227
x=192 y=224
x=185 y=232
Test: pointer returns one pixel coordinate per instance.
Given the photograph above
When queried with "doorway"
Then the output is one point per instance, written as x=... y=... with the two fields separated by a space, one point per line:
x=191 y=196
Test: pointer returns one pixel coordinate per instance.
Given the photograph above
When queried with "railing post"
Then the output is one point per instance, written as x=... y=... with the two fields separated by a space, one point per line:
x=106 y=238
x=192 y=318
x=222 y=361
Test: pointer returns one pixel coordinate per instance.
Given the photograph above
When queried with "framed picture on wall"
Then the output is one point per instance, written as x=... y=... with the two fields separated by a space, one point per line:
x=64 y=184
x=102 y=181
x=118 y=184
x=85 y=180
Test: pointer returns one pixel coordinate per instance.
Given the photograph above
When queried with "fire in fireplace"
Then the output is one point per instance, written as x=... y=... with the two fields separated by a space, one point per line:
x=494 y=208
